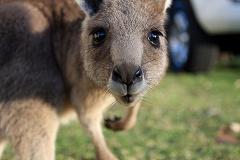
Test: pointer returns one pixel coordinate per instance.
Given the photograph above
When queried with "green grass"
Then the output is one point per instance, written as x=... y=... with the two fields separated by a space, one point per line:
x=178 y=121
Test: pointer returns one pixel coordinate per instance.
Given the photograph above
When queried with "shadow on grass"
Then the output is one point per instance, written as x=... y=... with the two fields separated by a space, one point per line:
x=87 y=158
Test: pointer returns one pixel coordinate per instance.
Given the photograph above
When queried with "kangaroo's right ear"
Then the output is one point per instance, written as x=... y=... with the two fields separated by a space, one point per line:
x=90 y=7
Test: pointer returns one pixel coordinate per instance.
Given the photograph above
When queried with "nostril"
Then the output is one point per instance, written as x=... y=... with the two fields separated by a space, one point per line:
x=127 y=74
x=116 y=76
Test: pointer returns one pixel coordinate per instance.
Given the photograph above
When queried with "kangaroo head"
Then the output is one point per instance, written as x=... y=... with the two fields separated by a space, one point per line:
x=124 y=46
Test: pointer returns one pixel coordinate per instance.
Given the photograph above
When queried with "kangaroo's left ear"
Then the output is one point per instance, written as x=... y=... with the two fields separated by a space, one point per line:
x=90 y=7
x=167 y=4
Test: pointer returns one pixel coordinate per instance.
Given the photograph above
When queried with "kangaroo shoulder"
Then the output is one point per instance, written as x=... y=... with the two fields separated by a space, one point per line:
x=22 y=17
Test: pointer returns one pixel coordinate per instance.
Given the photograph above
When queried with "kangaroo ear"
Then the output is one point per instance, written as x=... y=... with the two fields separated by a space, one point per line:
x=167 y=4
x=164 y=4
x=90 y=7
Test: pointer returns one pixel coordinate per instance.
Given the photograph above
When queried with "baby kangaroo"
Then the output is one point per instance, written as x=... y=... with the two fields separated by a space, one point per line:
x=64 y=56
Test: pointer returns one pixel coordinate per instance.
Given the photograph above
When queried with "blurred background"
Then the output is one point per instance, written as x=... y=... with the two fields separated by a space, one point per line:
x=194 y=114
x=202 y=31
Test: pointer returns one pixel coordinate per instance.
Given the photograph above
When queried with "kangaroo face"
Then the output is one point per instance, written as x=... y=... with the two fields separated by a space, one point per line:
x=123 y=45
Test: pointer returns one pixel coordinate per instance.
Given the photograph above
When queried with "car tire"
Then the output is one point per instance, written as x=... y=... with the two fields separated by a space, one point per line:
x=190 y=48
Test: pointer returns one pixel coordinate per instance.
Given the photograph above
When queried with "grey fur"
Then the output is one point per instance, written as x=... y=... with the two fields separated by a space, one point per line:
x=49 y=68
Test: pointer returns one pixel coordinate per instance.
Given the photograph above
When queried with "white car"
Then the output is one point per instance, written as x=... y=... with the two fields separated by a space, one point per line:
x=197 y=29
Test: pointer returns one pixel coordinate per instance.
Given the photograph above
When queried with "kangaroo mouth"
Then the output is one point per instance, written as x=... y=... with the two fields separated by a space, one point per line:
x=128 y=99
x=127 y=95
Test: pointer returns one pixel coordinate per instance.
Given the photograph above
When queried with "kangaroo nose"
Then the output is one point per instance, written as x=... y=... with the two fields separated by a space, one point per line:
x=127 y=73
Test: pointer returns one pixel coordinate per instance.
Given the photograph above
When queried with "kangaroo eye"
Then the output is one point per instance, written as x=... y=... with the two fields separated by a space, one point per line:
x=154 y=38
x=98 y=36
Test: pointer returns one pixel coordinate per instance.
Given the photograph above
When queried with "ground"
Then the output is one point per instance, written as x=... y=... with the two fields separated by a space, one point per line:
x=179 y=120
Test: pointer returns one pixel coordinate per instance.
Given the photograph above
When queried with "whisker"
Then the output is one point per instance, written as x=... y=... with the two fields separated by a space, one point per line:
x=146 y=101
